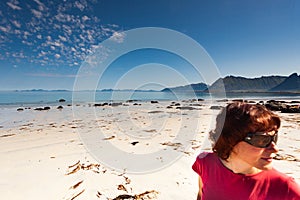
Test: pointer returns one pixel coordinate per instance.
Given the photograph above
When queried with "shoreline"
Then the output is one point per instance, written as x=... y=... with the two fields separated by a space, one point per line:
x=52 y=98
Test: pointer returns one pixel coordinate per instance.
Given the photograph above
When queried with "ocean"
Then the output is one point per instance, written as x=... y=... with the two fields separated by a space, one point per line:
x=27 y=98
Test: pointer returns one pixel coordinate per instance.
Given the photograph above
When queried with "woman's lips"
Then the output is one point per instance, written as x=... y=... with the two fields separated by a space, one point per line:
x=268 y=159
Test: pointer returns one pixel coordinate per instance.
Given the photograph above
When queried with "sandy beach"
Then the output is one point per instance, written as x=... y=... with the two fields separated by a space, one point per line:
x=128 y=150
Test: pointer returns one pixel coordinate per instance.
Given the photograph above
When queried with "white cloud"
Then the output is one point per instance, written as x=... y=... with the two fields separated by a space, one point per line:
x=42 y=53
x=79 y=5
x=27 y=42
x=117 y=37
x=58 y=44
x=62 y=38
x=16 y=23
x=85 y=18
x=36 y=13
x=13 y=6
x=17 y=32
x=57 y=56
x=19 y=55
x=41 y=6
x=60 y=17
x=26 y=34
x=90 y=36
x=4 y=29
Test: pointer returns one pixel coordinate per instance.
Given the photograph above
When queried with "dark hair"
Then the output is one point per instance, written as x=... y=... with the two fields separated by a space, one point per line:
x=236 y=120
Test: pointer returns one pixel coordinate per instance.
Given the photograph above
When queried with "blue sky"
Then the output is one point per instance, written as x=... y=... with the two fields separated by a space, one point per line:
x=44 y=43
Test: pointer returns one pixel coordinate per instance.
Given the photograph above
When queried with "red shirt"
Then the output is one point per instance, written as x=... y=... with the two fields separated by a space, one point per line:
x=220 y=183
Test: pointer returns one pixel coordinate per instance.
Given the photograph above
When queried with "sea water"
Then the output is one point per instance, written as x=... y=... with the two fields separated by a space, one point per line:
x=28 y=98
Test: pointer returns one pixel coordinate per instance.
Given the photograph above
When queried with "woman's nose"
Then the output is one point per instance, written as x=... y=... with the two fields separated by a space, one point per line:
x=273 y=147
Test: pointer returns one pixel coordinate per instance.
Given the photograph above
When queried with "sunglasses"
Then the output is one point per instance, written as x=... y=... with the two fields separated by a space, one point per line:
x=261 y=140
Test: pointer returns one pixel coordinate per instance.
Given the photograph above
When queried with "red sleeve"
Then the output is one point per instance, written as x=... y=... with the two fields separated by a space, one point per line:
x=294 y=189
x=198 y=164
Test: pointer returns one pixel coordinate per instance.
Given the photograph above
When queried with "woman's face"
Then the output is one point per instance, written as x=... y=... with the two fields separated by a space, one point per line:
x=255 y=157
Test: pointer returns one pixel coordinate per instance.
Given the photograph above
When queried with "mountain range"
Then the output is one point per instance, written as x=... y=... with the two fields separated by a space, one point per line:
x=230 y=84
x=241 y=84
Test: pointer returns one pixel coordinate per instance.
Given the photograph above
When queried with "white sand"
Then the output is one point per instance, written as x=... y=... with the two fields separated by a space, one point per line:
x=38 y=149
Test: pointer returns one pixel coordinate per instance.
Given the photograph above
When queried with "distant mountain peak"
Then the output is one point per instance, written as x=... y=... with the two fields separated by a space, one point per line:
x=293 y=75
x=196 y=87
x=290 y=84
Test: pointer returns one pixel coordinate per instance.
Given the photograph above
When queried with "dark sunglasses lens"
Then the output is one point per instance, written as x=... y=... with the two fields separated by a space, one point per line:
x=261 y=140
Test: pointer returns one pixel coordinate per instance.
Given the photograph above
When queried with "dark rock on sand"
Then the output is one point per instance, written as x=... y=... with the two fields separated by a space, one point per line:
x=20 y=109
x=47 y=108
x=134 y=143
x=222 y=100
x=115 y=104
x=216 y=107
x=195 y=104
x=155 y=111
x=186 y=108
x=275 y=105
x=282 y=106
x=100 y=104
x=154 y=101
x=60 y=107
x=291 y=109
x=40 y=109
x=239 y=100
x=131 y=100
x=295 y=102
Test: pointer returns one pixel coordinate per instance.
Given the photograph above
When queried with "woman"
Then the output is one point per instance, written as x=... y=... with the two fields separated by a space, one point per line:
x=240 y=166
